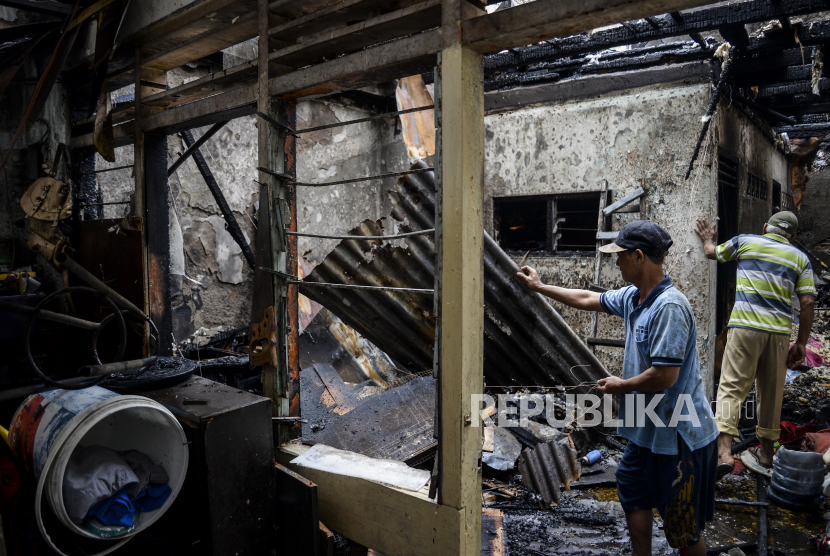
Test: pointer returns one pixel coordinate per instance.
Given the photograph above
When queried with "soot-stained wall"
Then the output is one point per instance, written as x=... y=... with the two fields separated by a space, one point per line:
x=212 y=284
x=634 y=138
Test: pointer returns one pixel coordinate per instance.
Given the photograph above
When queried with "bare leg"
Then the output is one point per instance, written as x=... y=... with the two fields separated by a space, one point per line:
x=766 y=452
x=725 y=449
x=639 y=527
x=698 y=549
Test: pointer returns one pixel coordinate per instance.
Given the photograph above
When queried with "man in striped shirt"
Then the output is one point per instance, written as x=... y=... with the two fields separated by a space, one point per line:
x=770 y=273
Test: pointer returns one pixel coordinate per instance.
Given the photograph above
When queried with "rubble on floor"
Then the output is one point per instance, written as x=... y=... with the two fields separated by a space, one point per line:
x=327 y=339
x=393 y=424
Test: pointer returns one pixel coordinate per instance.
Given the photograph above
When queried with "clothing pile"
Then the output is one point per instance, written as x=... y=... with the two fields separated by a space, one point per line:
x=102 y=486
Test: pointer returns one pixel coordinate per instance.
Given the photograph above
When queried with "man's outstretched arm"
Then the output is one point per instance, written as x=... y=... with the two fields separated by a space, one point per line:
x=578 y=299
x=707 y=234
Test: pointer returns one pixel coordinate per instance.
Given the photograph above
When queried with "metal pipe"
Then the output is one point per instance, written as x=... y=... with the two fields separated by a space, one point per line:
x=218 y=196
x=194 y=147
x=367 y=178
x=16 y=308
x=769 y=111
x=741 y=502
x=117 y=367
x=26 y=391
x=356 y=286
x=101 y=171
x=361 y=120
x=396 y=236
x=763 y=549
x=64 y=260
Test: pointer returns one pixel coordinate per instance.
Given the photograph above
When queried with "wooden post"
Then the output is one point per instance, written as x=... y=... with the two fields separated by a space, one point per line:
x=150 y=203
x=460 y=282
x=603 y=199
x=270 y=291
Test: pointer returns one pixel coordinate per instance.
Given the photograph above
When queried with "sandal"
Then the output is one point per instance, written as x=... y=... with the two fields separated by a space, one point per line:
x=723 y=470
x=753 y=462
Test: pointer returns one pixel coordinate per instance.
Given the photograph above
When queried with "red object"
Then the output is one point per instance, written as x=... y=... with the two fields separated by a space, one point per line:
x=791 y=431
x=818 y=442
x=739 y=468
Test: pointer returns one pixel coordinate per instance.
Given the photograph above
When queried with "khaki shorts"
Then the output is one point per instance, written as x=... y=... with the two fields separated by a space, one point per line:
x=752 y=355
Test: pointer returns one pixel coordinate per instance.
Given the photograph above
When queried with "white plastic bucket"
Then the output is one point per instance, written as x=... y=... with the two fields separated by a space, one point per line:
x=48 y=427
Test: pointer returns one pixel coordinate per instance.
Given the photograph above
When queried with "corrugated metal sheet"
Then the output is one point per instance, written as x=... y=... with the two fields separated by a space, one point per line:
x=526 y=342
x=548 y=467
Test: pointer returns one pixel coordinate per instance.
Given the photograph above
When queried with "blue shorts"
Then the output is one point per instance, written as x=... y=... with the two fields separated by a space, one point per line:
x=681 y=487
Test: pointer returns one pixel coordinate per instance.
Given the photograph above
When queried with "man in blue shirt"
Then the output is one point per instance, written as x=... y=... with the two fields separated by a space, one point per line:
x=671 y=456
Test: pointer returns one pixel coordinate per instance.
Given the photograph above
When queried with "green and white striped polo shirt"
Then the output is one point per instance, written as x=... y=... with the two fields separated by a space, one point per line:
x=770 y=270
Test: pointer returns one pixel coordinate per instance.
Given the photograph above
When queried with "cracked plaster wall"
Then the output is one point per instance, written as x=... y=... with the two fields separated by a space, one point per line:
x=640 y=137
x=215 y=293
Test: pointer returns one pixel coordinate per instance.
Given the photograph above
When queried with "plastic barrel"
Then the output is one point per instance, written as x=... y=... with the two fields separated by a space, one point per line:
x=48 y=427
x=796 y=479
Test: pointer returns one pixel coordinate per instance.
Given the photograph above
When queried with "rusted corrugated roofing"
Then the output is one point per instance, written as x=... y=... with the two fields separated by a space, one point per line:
x=548 y=467
x=526 y=342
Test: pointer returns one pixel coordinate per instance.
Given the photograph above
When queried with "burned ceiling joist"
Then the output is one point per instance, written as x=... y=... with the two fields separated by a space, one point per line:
x=660 y=27
x=526 y=342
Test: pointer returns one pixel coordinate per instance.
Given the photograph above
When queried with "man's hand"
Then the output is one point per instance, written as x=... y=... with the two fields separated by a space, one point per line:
x=707 y=234
x=611 y=385
x=796 y=355
x=705 y=231
x=530 y=277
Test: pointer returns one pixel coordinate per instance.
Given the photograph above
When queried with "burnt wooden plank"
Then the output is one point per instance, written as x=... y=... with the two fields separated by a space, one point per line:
x=668 y=25
x=297 y=514
x=546 y=19
x=231 y=78
x=493 y=540
x=205 y=43
x=344 y=397
x=157 y=216
x=334 y=42
x=395 y=424
x=341 y=14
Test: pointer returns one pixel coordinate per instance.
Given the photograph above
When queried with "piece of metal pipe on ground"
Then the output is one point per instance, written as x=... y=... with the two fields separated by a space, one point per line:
x=16 y=308
x=219 y=197
x=117 y=367
x=26 y=391
x=744 y=444
x=741 y=502
x=762 y=516
x=64 y=260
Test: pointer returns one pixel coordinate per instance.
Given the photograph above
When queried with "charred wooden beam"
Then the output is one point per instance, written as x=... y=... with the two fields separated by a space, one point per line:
x=765 y=110
x=639 y=58
x=547 y=19
x=805 y=130
x=814 y=34
x=799 y=87
x=736 y=34
x=670 y=25
x=48 y=8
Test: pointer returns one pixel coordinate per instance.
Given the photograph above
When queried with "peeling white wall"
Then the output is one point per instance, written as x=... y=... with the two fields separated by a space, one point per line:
x=215 y=293
x=640 y=137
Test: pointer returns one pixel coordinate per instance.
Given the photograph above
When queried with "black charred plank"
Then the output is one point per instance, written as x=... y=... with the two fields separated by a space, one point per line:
x=667 y=25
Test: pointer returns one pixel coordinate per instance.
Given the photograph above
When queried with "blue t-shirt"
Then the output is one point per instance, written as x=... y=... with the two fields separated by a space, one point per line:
x=661 y=332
